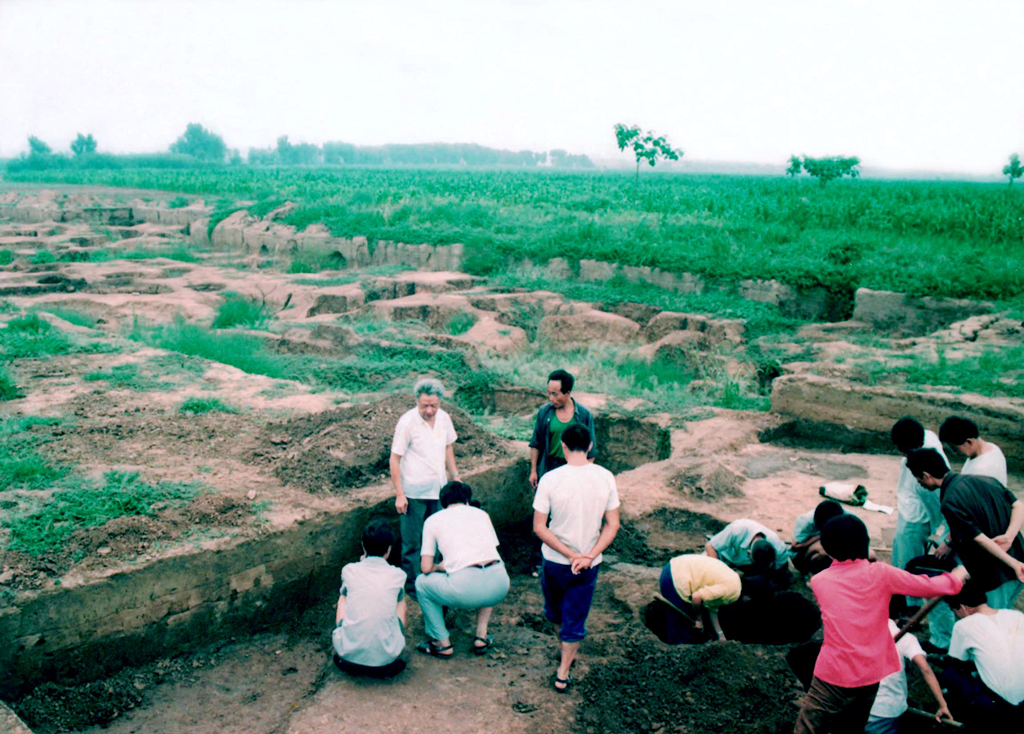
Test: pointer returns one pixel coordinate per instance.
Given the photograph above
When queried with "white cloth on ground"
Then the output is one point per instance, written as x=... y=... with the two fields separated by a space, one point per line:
x=464 y=536
x=576 y=499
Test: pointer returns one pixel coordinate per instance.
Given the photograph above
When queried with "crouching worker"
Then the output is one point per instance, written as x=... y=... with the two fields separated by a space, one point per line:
x=858 y=651
x=752 y=549
x=368 y=638
x=470 y=576
x=985 y=681
x=807 y=554
x=695 y=584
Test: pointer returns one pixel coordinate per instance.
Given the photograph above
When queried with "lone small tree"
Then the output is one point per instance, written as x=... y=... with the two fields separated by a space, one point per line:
x=199 y=142
x=83 y=144
x=831 y=168
x=1013 y=169
x=646 y=147
x=795 y=166
x=37 y=146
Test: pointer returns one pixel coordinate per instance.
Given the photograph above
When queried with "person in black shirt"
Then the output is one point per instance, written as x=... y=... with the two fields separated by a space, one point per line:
x=984 y=521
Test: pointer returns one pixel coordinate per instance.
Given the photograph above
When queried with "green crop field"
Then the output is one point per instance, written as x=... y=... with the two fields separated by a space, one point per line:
x=923 y=238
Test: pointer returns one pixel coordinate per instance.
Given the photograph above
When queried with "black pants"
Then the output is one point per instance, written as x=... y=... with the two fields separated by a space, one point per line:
x=976 y=705
x=390 y=670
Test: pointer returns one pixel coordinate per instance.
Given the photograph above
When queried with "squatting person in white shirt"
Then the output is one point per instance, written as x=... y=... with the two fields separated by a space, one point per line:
x=420 y=453
x=582 y=503
x=985 y=683
x=471 y=576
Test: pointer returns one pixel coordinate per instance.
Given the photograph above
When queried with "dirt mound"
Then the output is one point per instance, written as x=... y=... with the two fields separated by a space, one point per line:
x=708 y=481
x=350 y=447
x=720 y=687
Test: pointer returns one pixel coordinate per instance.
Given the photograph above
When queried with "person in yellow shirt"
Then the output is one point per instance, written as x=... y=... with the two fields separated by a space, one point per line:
x=696 y=583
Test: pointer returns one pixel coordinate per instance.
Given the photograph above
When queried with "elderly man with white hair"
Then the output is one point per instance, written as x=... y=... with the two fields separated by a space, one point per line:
x=420 y=454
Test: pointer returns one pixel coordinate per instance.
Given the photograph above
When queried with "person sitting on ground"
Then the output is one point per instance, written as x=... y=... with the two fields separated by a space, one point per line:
x=984 y=458
x=750 y=548
x=807 y=554
x=984 y=521
x=985 y=683
x=858 y=651
x=470 y=576
x=695 y=584
x=368 y=638
x=891 y=701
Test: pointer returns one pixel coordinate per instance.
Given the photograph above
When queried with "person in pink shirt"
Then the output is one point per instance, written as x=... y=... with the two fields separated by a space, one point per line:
x=858 y=651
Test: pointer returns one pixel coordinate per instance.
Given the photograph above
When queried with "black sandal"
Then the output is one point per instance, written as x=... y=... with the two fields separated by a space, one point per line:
x=566 y=683
x=481 y=649
x=431 y=648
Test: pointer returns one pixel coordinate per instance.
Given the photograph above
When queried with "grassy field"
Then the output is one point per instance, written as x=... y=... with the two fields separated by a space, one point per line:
x=922 y=238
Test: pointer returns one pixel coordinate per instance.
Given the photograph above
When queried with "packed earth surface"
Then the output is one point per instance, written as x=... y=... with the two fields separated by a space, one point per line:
x=185 y=399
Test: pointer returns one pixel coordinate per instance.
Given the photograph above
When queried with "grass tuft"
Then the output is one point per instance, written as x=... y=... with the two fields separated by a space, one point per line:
x=198 y=406
x=238 y=310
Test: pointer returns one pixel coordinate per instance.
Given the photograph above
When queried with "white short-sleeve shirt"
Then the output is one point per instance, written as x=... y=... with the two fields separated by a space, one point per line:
x=576 y=498
x=992 y=463
x=891 y=699
x=422 y=449
x=464 y=536
x=995 y=642
x=370 y=633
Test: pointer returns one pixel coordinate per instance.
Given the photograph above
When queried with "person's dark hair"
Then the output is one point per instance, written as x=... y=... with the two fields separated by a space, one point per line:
x=564 y=378
x=756 y=588
x=825 y=511
x=845 y=538
x=762 y=553
x=455 y=493
x=927 y=460
x=377 y=538
x=576 y=438
x=970 y=595
x=907 y=434
x=956 y=430
x=819 y=563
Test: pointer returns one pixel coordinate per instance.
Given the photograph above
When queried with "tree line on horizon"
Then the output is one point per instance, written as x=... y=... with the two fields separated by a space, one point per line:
x=201 y=147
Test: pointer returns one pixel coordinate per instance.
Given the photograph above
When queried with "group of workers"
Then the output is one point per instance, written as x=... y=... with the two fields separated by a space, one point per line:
x=967 y=522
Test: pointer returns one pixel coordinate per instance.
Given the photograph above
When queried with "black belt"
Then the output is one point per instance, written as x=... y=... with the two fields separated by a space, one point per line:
x=484 y=565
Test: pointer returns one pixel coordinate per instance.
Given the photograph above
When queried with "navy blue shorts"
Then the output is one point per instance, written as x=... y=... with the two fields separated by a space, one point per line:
x=668 y=590
x=567 y=598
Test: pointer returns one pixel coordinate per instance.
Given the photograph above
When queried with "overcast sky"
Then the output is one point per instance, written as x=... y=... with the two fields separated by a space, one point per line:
x=928 y=84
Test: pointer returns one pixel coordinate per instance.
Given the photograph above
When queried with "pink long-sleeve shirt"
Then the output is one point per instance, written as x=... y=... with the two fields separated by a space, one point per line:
x=854 y=598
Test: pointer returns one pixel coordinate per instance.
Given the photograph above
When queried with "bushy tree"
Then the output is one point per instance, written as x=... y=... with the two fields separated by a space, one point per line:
x=795 y=166
x=199 y=142
x=831 y=168
x=1013 y=169
x=37 y=146
x=83 y=144
x=646 y=147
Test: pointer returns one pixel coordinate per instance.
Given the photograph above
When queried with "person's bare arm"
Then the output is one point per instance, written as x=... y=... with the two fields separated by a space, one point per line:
x=713 y=613
x=709 y=550
x=395 y=465
x=1005 y=540
x=427 y=565
x=608 y=532
x=542 y=531
x=933 y=686
x=340 y=614
x=449 y=461
x=534 y=458
x=402 y=610
x=992 y=547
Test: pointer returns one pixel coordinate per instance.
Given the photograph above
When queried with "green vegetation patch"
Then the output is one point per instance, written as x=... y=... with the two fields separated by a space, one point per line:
x=132 y=376
x=6 y=257
x=460 y=323
x=239 y=310
x=30 y=336
x=178 y=202
x=198 y=406
x=90 y=505
x=8 y=388
x=43 y=257
x=21 y=464
x=71 y=315
x=994 y=372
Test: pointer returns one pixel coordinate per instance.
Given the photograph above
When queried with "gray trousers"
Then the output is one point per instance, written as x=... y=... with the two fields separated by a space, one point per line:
x=411 y=526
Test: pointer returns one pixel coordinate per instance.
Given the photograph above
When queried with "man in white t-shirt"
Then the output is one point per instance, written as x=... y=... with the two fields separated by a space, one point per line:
x=891 y=700
x=420 y=453
x=991 y=641
x=582 y=503
x=984 y=458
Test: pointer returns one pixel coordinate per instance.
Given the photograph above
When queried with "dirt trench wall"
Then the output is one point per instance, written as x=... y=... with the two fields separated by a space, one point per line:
x=861 y=417
x=81 y=633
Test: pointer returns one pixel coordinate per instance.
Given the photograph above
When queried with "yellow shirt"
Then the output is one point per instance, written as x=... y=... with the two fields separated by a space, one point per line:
x=717 y=583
